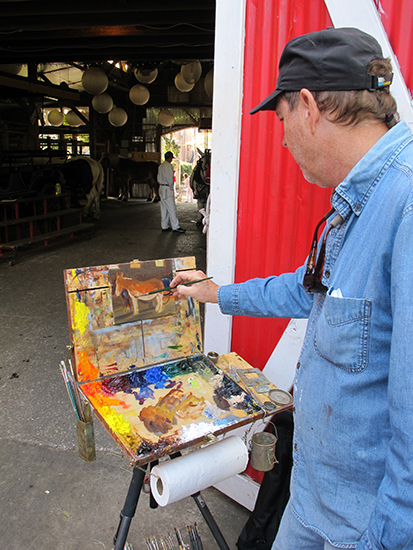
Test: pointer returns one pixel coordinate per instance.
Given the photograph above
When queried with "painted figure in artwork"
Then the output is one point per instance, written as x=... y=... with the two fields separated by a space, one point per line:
x=136 y=290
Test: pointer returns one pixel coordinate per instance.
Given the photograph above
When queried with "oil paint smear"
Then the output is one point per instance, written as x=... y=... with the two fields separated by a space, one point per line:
x=151 y=411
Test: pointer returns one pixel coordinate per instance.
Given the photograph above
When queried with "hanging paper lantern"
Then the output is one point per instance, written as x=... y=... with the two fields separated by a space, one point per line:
x=95 y=81
x=145 y=76
x=12 y=68
x=182 y=85
x=139 y=95
x=102 y=103
x=165 y=117
x=55 y=117
x=192 y=72
x=118 y=116
x=72 y=119
x=209 y=83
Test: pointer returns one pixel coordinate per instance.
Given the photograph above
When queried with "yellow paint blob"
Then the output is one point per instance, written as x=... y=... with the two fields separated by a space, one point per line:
x=116 y=422
x=81 y=320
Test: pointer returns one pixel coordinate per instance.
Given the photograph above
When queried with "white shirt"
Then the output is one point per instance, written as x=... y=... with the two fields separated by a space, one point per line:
x=166 y=174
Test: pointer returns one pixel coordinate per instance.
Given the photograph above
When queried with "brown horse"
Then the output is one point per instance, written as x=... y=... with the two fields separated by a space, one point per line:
x=138 y=290
x=130 y=171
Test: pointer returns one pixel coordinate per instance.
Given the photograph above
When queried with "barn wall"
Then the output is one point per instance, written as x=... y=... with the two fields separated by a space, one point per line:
x=277 y=208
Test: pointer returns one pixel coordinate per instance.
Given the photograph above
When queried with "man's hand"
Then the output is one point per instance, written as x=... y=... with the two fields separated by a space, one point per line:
x=203 y=292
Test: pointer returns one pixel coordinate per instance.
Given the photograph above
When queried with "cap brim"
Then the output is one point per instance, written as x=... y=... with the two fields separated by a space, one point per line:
x=269 y=103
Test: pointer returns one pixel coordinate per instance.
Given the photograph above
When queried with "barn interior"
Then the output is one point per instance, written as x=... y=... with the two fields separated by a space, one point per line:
x=49 y=497
x=54 y=56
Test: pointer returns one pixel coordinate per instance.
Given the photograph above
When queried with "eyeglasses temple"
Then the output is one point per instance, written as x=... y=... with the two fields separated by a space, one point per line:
x=313 y=252
x=320 y=263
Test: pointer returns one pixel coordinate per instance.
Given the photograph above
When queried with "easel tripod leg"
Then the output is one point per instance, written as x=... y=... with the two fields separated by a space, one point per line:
x=210 y=521
x=129 y=507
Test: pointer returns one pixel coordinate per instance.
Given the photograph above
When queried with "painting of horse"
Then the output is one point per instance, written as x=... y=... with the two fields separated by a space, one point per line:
x=131 y=291
x=129 y=171
x=83 y=177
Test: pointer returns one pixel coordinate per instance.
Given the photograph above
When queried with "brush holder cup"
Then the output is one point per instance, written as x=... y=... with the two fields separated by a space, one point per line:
x=262 y=457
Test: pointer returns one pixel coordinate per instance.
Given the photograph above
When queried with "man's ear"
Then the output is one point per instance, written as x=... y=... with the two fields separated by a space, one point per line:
x=312 y=112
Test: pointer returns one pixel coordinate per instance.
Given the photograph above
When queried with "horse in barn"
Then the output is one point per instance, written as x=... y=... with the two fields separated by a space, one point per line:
x=200 y=180
x=83 y=177
x=131 y=171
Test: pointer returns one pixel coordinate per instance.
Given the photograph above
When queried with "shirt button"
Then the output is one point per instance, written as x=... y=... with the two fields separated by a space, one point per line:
x=327 y=274
x=295 y=447
x=298 y=365
x=357 y=207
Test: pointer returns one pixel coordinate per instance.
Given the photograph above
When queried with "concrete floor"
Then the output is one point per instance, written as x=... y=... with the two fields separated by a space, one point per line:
x=50 y=499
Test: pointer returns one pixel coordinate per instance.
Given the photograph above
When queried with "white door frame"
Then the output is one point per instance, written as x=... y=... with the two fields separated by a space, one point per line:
x=226 y=139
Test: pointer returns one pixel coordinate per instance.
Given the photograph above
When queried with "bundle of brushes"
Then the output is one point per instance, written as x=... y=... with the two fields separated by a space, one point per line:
x=72 y=389
x=166 y=542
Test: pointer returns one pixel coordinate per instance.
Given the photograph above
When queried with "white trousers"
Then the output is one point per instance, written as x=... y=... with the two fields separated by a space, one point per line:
x=168 y=208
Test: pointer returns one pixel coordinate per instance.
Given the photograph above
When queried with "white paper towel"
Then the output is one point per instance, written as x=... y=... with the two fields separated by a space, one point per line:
x=181 y=477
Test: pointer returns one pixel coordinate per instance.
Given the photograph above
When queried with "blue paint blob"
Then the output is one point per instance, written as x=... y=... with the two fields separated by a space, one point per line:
x=156 y=376
x=137 y=380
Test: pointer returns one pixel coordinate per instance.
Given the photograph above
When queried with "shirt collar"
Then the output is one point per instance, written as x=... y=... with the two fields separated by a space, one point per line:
x=354 y=191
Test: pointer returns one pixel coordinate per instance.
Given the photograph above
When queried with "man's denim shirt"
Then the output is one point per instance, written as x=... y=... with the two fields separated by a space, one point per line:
x=352 y=479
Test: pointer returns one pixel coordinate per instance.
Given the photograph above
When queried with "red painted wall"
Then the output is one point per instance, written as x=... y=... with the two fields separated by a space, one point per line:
x=278 y=209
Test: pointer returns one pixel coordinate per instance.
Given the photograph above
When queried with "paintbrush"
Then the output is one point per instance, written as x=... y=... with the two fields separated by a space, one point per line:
x=192 y=540
x=198 y=537
x=169 y=288
x=180 y=540
x=73 y=390
x=76 y=392
x=69 y=388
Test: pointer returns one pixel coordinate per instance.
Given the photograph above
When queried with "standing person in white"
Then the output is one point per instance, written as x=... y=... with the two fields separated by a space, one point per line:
x=166 y=192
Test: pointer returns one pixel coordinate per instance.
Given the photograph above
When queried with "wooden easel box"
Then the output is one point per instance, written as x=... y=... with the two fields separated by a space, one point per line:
x=139 y=361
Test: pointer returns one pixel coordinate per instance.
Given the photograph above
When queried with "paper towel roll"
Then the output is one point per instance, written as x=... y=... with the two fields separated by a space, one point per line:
x=186 y=475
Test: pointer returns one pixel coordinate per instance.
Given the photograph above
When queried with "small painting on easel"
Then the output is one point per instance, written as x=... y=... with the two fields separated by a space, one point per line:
x=138 y=293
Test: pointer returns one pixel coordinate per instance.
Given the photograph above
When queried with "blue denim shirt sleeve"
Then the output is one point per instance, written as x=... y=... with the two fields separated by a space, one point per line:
x=270 y=297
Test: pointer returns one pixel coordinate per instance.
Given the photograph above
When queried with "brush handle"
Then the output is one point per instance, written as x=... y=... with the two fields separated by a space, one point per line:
x=169 y=288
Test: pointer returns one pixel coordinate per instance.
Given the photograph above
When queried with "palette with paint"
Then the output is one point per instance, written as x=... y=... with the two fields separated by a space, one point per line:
x=139 y=360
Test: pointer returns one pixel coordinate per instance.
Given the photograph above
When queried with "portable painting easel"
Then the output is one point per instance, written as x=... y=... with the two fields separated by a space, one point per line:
x=137 y=362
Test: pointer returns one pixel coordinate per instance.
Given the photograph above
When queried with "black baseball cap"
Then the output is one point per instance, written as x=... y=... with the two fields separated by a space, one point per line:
x=169 y=155
x=328 y=60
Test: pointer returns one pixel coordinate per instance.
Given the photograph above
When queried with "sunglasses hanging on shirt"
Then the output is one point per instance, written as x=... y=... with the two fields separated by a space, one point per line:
x=315 y=265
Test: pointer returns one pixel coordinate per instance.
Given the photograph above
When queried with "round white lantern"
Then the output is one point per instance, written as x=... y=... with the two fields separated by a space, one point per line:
x=209 y=83
x=192 y=72
x=182 y=85
x=145 y=76
x=72 y=119
x=55 y=117
x=13 y=68
x=118 y=116
x=139 y=95
x=102 y=103
x=95 y=81
x=165 y=117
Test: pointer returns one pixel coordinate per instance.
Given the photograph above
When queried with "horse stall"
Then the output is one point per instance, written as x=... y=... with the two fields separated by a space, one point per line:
x=36 y=208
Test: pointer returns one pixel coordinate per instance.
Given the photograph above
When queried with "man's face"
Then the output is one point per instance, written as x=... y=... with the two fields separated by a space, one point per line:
x=301 y=142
